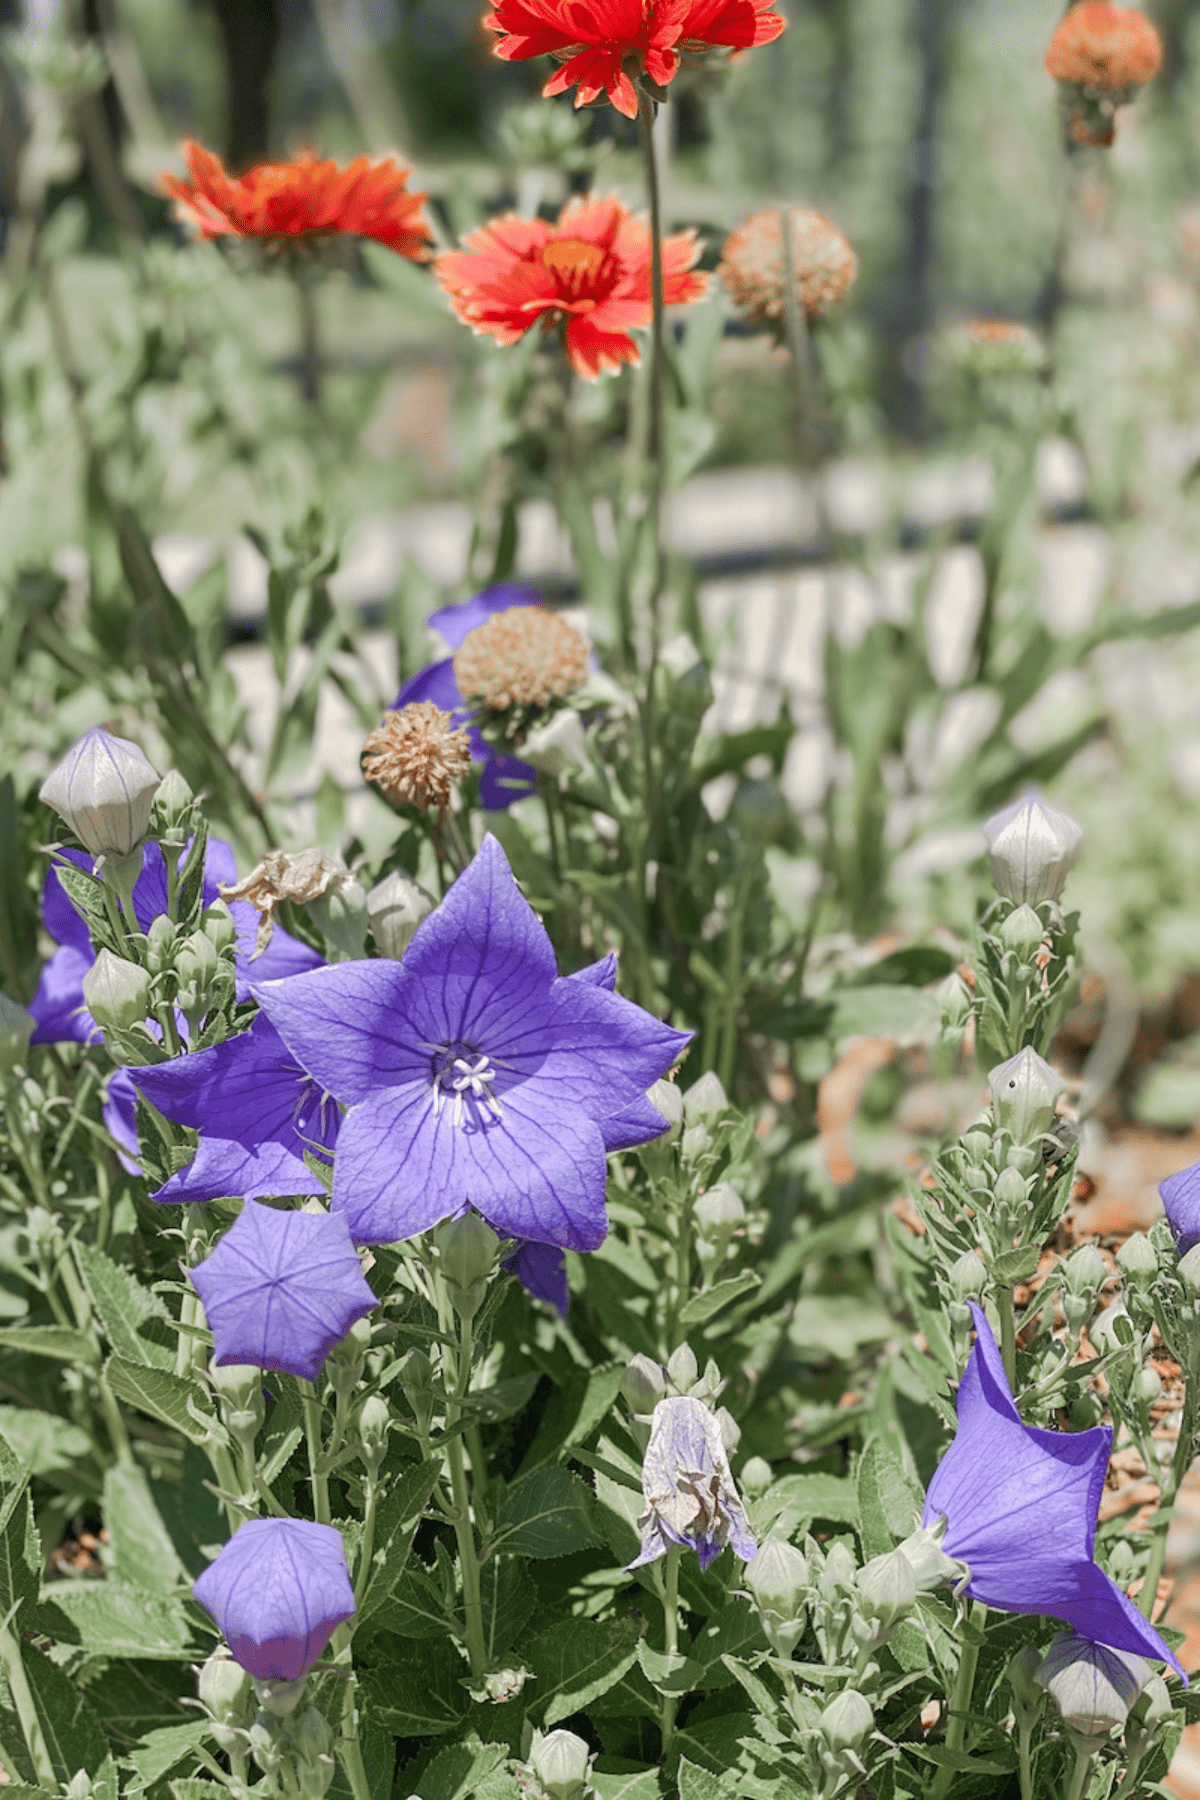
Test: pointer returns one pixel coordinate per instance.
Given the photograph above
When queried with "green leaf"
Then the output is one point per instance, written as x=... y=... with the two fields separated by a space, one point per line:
x=143 y=1697
x=702 y=1307
x=1012 y=1266
x=62 y=1342
x=71 y=1729
x=668 y=1672
x=161 y=1751
x=113 y=1619
x=422 y=1695
x=46 y=1444
x=575 y=1662
x=399 y=1515
x=162 y=1395
x=456 y=1773
x=20 y=1552
x=838 y=1325
x=547 y=1514
x=890 y=1504
x=284 y=1427
x=630 y=1784
x=904 y=1013
x=696 y=1783
x=191 y=1513
x=143 y=1553
x=134 y=1320
x=583 y=1401
x=733 y=1631
x=796 y=1500
x=509 y=1599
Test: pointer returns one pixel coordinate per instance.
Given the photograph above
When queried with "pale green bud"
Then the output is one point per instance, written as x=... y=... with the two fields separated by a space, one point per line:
x=1031 y=847
x=1022 y=1676
x=116 y=992
x=341 y=917
x=977 y=1147
x=1024 y=1091
x=1022 y=933
x=312 y=1741
x=954 y=1000
x=682 y=1369
x=224 y=1689
x=562 y=1762
x=1011 y=1189
x=666 y=1098
x=848 y=1721
x=840 y=1573
x=1103 y=1329
x=705 y=1099
x=695 y=1140
x=160 y=945
x=374 y=1421
x=103 y=790
x=240 y=1395
x=1147 y=1385
x=344 y=1364
x=1189 y=1270
x=887 y=1587
x=929 y=1562
x=967 y=1277
x=643 y=1385
x=197 y=959
x=1092 y=1685
x=467 y=1249
x=279 y=1698
x=416 y=1382
x=218 y=926
x=16 y=1029
x=395 y=907
x=756 y=1477
x=777 y=1579
x=173 y=801
x=718 y=1210
x=1084 y=1270
x=1137 y=1261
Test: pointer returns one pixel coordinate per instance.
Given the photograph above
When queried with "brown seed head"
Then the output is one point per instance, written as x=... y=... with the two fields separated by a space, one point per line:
x=416 y=755
x=526 y=656
x=752 y=263
x=1104 y=47
x=283 y=875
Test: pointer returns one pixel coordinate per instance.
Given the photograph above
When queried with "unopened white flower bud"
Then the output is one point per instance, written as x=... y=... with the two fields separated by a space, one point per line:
x=840 y=1573
x=395 y=907
x=374 y=1422
x=757 y=1476
x=1092 y=1685
x=559 y=746
x=219 y=927
x=683 y=1369
x=1011 y=1188
x=1031 y=847
x=887 y=1587
x=1022 y=933
x=116 y=992
x=848 y=1721
x=562 y=1762
x=1137 y=1261
x=1022 y=1677
x=643 y=1385
x=16 y=1029
x=666 y=1098
x=704 y=1099
x=1189 y=1270
x=967 y=1277
x=224 y=1689
x=103 y=790
x=777 y=1579
x=1024 y=1091
x=311 y=1738
x=467 y=1248
x=341 y=917
x=1105 y=1330
x=718 y=1210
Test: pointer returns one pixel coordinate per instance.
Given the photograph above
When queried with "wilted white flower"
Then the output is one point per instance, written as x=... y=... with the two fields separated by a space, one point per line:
x=691 y=1498
x=395 y=907
x=1024 y=1090
x=1093 y=1686
x=1031 y=847
x=103 y=790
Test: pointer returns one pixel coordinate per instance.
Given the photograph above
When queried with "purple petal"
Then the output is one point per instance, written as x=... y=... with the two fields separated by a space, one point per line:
x=602 y=974
x=58 y=1004
x=469 y=944
x=588 y=1049
x=119 y=1113
x=278 y=1591
x=637 y=1124
x=1092 y=1602
x=541 y=1270
x=452 y=623
x=505 y=780
x=436 y=683
x=347 y=1025
x=1181 y=1199
x=283 y=956
x=58 y=914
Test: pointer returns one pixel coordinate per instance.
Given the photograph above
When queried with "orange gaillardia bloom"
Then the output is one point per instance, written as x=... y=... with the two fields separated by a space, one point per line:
x=751 y=263
x=603 y=44
x=1100 y=55
x=589 y=272
x=303 y=199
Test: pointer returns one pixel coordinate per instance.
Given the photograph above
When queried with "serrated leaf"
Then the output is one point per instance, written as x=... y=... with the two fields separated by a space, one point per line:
x=283 y=1429
x=572 y=1413
x=160 y=1394
x=696 y=1783
x=161 y=1751
x=70 y=1727
x=458 y=1772
x=421 y=1695
x=668 y=1672
x=732 y=1632
x=400 y=1513
x=702 y=1307
x=796 y=1500
x=62 y=1342
x=1012 y=1266
x=889 y=1503
x=575 y=1662
x=143 y=1553
x=630 y=1784
x=133 y=1320
x=20 y=1553
x=110 y=1618
x=547 y=1514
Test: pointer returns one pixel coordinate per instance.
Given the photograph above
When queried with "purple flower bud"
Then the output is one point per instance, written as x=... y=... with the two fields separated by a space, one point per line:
x=281 y=1289
x=691 y=1499
x=278 y=1591
x=103 y=790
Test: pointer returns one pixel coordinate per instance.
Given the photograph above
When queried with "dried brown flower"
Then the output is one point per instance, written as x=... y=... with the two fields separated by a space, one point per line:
x=1103 y=47
x=415 y=756
x=526 y=656
x=752 y=263
x=285 y=875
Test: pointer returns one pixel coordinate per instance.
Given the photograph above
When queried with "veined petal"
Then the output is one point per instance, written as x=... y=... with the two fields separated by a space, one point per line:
x=590 y=1050
x=224 y=1169
x=638 y=1124
x=602 y=974
x=346 y=1024
x=62 y=1017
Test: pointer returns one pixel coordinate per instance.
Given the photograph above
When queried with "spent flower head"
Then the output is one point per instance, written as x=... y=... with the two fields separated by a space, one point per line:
x=1110 y=49
x=103 y=790
x=415 y=756
x=525 y=657
x=299 y=876
x=752 y=264
x=688 y=1486
x=278 y=1591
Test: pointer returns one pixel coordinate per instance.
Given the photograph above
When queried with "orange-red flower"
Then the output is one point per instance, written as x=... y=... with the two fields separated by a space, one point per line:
x=1108 y=48
x=590 y=271
x=304 y=198
x=601 y=43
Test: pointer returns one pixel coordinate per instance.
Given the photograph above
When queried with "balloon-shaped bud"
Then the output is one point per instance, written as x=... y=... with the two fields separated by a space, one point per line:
x=777 y=1579
x=682 y=1369
x=1031 y=848
x=887 y=1587
x=103 y=790
x=643 y=1385
x=1024 y=1091
x=1137 y=1261
x=1022 y=933
x=705 y=1099
x=562 y=1762
x=395 y=907
x=116 y=992
x=848 y=1721
x=1092 y=1685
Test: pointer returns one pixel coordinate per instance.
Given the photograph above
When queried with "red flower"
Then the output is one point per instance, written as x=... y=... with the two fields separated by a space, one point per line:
x=591 y=270
x=1109 y=48
x=304 y=198
x=601 y=42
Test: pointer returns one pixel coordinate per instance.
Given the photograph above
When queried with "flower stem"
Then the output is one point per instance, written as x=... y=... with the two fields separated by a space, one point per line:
x=1025 y=1760
x=670 y=1702
x=797 y=334
x=1080 y=1773
x=657 y=360
x=25 y=1709
x=960 y=1701
x=1180 y=1463
x=457 y=1367
x=368 y=1541
x=1008 y=1334
x=316 y=1449
x=350 y=1748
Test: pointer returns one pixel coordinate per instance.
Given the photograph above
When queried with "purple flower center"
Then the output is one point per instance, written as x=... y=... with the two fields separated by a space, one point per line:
x=462 y=1077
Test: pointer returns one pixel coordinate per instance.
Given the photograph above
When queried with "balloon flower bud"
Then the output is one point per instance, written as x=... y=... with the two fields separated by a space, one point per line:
x=160 y=945
x=967 y=1277
x=103 y=790
x=395 y=907
x=1093 y=1686
x=562 y=1763
x=705 y=1099
x=1011 y=1189
x=16 y=1029
x=643 y=1385
x=777 y=1579
x=1031 y=847
x=757 y=1476
x=116 y=992
x=887 y=1587
x=848 y=1721
x=416 y=1380
x=218 y=926
x=1137 y=1261
x=683 y=1370
x=840 y=1574
x=224 y=1689
x=173 y=801
x=1024 y=1091
x=467 y=1249
x=1189 y=1270
x=311 y=1739
x=341 y=916
x=717 y=1214
x=1022 y=933
x=666 y=1098
x=954 y=1000
x=374 y=1421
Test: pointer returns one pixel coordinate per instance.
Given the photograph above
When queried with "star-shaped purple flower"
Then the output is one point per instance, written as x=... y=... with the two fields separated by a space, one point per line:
x=691 y=1499
x=281 y=1289
x=278 y=1591
x=58 y=1004
x=1181 y=1200
x=257 y=1112
x=1020 y=1506
x=472 y=1073
x=503 y=779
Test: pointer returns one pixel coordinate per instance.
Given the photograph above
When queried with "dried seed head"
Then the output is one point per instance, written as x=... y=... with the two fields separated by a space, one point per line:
x=281 y=875
x=1105 y=48
x=526 y=656
x=752 y=263
x=416 y=755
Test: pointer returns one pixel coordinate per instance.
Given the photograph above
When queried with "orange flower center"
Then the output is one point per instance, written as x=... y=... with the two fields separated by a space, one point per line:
x=575 y=265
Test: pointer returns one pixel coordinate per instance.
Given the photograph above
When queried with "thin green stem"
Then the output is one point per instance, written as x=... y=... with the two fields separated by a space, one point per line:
x=1025 y=1760
x=1080 y=1773
x=670 y=1702
x=363 y=1573
x=655 y=435
x=350 y=1749
x=796 y=324
x=1008 y=1334
x=316 y=1451
x=1180 y=1463
x=960 y=1702
x=456 y=1364
x=26 y=1711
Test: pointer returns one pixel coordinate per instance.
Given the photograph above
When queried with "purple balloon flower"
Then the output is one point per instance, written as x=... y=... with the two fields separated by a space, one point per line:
x=691 y=1499
x=503 y=779
x=1020 y=1506
x=1181 y=1200
x=281 y=1289
x=257 y=1112
x=278 y=1591
x=472 y=1073
x=58 y=1004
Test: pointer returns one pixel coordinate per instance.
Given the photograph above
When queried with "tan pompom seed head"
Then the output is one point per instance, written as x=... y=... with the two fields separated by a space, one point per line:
x=415 y=756
x=526 y=656
x=1105 y=48
x=752 y=263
